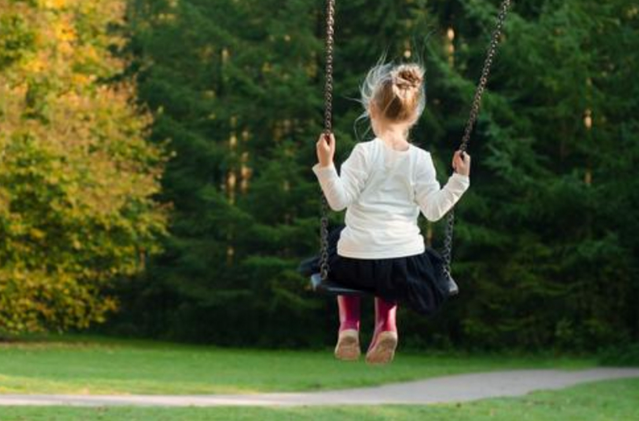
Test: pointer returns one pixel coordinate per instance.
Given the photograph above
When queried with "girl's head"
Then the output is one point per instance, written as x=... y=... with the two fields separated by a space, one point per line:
x=394 y=95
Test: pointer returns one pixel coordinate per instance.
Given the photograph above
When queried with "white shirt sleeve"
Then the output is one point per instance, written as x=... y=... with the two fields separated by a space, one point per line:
x=341 y=191
x=434 y=201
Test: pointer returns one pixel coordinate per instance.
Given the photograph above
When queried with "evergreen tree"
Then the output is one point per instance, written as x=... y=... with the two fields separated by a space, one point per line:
x=237 y=99
x=545 y=240
x=541 y=259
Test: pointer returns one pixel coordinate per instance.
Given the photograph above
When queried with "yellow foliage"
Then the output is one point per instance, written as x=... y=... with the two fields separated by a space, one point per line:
x=54 y=4
x=66 y=49
x=35 y=65
x=77 y=175
x=64 y=32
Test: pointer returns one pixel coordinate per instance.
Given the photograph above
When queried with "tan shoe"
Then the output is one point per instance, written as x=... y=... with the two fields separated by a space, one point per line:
x=383 y=350
x=347 y=348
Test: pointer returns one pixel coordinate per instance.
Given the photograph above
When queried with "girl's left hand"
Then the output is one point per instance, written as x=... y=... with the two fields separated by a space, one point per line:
x=461 y=165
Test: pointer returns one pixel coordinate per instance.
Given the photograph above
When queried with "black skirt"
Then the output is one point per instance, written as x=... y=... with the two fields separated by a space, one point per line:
x=417 y=281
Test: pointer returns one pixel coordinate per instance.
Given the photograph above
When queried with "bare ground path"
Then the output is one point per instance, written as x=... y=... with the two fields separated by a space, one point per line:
x=456 y=388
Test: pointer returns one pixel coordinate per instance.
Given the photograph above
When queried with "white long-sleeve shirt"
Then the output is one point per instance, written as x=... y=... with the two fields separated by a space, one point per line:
x=384 y=191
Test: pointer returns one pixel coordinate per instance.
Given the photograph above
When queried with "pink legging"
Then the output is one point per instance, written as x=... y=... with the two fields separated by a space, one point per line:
x=349 y=313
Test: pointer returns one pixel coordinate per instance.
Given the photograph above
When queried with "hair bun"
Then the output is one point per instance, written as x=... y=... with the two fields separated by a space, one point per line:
x=408 y=76
x=396 y=92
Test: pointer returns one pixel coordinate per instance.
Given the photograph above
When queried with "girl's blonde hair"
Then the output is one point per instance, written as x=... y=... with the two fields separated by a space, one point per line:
x=396 y=91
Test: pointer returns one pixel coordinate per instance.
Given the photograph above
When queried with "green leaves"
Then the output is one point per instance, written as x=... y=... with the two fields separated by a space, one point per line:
x=17 y=39
x=550 y=218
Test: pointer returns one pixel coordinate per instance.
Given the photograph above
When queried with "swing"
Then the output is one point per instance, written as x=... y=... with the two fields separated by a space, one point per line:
x=320 y=281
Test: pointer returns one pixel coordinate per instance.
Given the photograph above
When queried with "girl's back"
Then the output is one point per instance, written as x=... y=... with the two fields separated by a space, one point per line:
x=384 y=214
x=383 y=190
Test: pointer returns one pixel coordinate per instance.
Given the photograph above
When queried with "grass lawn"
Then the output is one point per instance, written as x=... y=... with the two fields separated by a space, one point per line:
x=616 y=400
x=82 y=365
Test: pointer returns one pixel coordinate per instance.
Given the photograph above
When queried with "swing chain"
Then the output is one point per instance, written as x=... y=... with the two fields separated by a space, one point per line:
x=328 y=113
x=328 y=127
x=474 y=112
x=483 y=80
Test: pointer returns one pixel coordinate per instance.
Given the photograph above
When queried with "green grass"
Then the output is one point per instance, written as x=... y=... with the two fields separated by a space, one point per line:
x=616 y=400
x=103 y=366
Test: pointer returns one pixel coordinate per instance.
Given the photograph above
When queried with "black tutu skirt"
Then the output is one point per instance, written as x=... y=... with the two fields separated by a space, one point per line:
x=417 y=281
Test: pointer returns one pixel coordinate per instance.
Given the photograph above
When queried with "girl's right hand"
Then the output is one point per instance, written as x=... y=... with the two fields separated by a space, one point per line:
x=325 y=149
x=461 y=165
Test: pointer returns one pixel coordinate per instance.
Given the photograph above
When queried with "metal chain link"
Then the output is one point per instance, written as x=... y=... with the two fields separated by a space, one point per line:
x=474 y=112
x=328 y=127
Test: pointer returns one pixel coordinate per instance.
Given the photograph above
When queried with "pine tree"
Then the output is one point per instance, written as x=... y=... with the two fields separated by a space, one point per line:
x=544 y=253
x=237 y=99
x=539 y=254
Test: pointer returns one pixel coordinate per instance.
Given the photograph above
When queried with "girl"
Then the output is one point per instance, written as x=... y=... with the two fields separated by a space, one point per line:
x=383 y=185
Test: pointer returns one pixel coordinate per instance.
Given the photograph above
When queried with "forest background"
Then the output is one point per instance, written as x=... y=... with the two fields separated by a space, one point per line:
x=155 y=166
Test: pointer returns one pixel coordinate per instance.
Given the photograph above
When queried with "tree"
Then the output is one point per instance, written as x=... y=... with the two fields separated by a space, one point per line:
x=543 y=258
x=236 y=87
x=77 y=177
x=235 y=98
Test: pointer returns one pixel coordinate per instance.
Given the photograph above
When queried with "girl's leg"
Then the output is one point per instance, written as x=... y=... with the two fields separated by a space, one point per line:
x=385 y=315
x=347 y=347
x=384 y=343
x=349 y=312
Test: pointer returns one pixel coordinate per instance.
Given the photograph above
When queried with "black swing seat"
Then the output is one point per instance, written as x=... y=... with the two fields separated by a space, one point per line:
x=332 y=288
x=310 y=267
